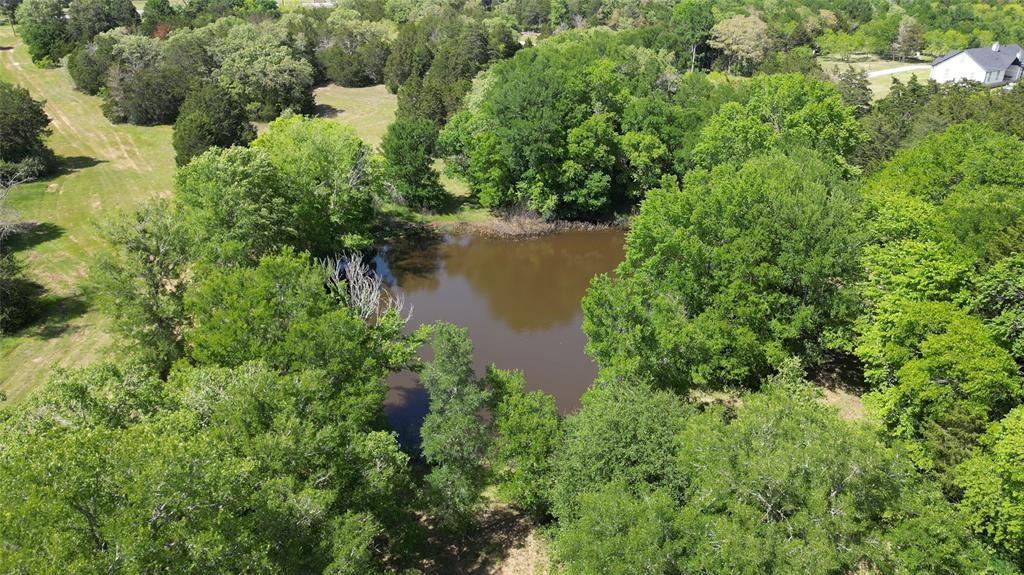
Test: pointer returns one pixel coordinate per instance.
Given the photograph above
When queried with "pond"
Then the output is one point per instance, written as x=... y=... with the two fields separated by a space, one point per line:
x=519 y=299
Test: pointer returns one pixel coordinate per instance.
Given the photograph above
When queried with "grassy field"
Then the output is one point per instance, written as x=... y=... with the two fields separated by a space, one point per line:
x=104 y=168
x=880 y=85
x=369 y=110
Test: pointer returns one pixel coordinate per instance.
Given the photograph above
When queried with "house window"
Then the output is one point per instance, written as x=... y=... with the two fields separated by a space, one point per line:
x=993 y=76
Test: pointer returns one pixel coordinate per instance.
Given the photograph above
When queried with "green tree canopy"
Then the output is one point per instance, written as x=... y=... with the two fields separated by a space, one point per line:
x=781 y=110
x=23 y=125
x=216 y=470
x=279 y=312
x=781 y=485
x=357 y=50
x=1001 y=299
x=945 y=378
x=89 y=63
x=945 y=189
x=991 y=480
x=87 y=18
x=455 y=435
x=235 y=204
x=209 y=117
x=141 y=280
x=728 y=275
x=331 y=179
x=577 y=127
x=408 y=148
x=42 y=26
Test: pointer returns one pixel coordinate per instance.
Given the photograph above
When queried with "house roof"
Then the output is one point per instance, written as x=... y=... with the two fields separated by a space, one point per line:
x=987 y=58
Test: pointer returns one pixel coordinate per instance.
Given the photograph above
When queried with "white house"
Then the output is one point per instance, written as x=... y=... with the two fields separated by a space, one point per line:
x=993 y=66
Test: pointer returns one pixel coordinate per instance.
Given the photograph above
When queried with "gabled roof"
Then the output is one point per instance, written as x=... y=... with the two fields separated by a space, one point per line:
x=988 y=58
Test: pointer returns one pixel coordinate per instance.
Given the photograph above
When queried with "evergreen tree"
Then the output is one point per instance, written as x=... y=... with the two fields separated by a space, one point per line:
x=210 y=116
x=408 y=147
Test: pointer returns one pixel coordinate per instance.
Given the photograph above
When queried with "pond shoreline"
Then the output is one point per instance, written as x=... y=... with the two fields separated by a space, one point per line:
x=520 y=227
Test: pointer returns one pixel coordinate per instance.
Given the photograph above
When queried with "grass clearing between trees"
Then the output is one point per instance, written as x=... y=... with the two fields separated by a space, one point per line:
x=369 y=110
x=880 y=85
x=104 y=168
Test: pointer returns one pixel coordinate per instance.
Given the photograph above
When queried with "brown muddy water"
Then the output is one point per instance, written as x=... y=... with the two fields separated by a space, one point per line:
x=519 y=299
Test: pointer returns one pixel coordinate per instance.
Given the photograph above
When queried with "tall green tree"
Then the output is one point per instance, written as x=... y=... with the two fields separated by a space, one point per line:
x=781 y=110
x=234 y=204
x=356 y=51
x=42 y=26
x=155 y=13
x=9 y=8
x=990 y=480
x=729 y=274
x=408 y=148
x=140 y=89
x=692 y=20
x=23 y=126
x=1001 y=300
x=89 y=63
x=779 y=485
x=623 y=433
x=527 y=434
x=209 y=117
x=854 y=89
x=140 y=281
x=268 y=80
x=87 y=18
x=455 y=436
x=331 y=179
x=948 y=380
x=909 y=39
x=215 y=470
x=278 y=312
x=579 y=127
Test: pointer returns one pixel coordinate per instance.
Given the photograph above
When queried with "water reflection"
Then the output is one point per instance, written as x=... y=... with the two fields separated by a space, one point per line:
x=520 y=301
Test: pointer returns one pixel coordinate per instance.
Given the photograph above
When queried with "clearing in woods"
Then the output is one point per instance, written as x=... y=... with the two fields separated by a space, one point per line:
x=104 y=168
x=878 y=77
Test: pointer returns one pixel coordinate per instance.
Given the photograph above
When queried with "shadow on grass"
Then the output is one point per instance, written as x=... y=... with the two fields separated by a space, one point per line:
x=838 y=371
x=453 y=204
x=326 y=111
x=36 y=234
x=69 y=164
x=55 y=316
x=498 y=531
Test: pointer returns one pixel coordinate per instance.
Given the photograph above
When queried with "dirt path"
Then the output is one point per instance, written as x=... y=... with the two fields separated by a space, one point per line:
x=899 y=70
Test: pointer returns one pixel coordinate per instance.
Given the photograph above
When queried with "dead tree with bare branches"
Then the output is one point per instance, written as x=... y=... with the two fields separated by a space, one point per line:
x=362 y=289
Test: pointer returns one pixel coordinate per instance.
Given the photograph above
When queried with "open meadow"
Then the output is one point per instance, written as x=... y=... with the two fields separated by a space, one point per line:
x=104 y=168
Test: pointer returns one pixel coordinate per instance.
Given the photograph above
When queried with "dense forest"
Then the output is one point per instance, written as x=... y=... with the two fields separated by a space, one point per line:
x=785 y=229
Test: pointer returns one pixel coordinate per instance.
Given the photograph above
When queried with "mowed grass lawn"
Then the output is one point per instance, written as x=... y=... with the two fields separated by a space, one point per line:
x=369 y=110
x=880 y=85
x=104 y=168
